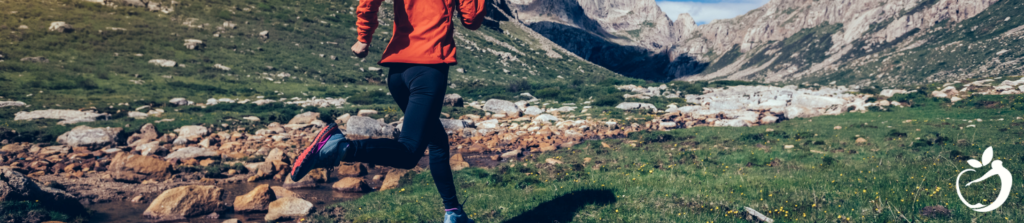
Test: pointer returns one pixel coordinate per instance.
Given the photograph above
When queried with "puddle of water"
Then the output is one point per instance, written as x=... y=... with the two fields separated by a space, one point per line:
x=125 y=211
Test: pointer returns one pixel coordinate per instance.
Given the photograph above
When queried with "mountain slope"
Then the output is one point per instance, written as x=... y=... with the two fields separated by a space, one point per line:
x=791 y=41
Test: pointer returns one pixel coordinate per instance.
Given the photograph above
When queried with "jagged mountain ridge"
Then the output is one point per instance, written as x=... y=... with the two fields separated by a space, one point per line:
x=783 y=41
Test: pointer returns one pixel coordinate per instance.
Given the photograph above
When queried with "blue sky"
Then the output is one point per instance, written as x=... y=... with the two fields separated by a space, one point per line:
x=704 y=11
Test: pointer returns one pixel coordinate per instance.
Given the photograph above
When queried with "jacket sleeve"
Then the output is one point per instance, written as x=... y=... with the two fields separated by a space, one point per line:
x=366 y=19
x=472 y=12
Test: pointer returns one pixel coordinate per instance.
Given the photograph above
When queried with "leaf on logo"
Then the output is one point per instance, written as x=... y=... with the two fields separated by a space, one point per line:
x=986 y=157
x=974 y=163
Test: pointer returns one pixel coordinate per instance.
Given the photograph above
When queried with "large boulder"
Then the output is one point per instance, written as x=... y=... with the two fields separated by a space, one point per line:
x=151 y=166
x=256 y=200
x=89 y=136
x=185 y=201
x=67 y=116
x=454 y=100
x=288 y=208
x=192 y=152
x=369 y=128
x=14 y=186
x=498 y=106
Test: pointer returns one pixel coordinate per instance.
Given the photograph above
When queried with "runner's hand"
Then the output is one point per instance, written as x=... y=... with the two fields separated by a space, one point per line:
x=360 y=49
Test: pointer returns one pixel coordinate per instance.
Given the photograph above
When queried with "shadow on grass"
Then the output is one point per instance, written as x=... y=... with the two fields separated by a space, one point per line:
x=564 y=208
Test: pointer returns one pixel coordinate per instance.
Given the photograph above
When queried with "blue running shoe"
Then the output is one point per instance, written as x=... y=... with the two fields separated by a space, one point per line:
x=456 y=215
x=325 y=147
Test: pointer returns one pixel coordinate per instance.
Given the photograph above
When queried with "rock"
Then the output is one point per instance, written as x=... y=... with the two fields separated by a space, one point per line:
x=667 y=125
x=730 y=123
x=233 y=220
x=35 y=59
x=275 y=155
x=89 y=137
x=366 y=112
x=453 y=124
x=351 y=184
x=837 y=128
x=812 y=101
x=368 y=127
x=60 y=26
x=281 y=192
x=753 y=215
x=635 y=106
x=343 y=118
x=351 y=169
x=163 y=62
x=489 y=124
x=769 y=119
x=221 y=67
x=304 y=118
x=498 y=106
x=14 y=186
x=453 y=100
x=552 y=161
x=510 y=154
x=251 y=118
x=793 y=112
x=392 y=178
x=861 y=140
x=288 y=208
x=12 y=104
x=533 y=110
x=883 y=103
x=315 y=176
x=545 y=119
x=192 y=133
x=194 y=44
x=149 y=148
x=457 y=163
x=178 y=101
x=264 y=34
x=955 y=99
x=256 y=200
x=183 y=202
x=146 y=134
x=67 y=116
x=192 y=152
x=153 y=167
x=787 y=146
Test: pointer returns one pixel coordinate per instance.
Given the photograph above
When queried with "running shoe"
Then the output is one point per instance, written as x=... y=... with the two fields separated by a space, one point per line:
x=456 y=215
x=310 y=158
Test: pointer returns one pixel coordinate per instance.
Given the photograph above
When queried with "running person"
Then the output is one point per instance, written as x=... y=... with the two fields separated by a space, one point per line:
x=418 y=57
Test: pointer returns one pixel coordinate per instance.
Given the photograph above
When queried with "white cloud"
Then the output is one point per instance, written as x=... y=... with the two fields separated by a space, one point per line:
x=705 y=12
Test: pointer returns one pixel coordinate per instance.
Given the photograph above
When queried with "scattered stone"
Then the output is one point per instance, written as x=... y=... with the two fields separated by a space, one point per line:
x=366 y=112
x=498 y=106
x=14 y=186
x=351 y=184
x=753 y=215
x=787 y=146
x=636 y=106
x=222 y=67
x=510 y=154
x=304 y=118
x=191 y=133
x=351 y=169
x=12 y=104
x=179 y=101
x=457 y=163
x=163 y=62
x=35 y=59
x=90 y=137
x=256 y=200
x=861 y=140
x=183 y=202
x=288 y=208
x=453 y=100
x=264 y=34
x=251 y=118
x=60 y=26
x=194 y=44
x=192 y=152
x=545 y=119
x=392 y=178
x=153 y=167
x=370 y=128
x=553 y=161
x=837 y=128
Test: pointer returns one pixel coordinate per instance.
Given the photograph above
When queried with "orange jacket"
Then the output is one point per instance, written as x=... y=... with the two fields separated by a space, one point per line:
x=423 y=28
